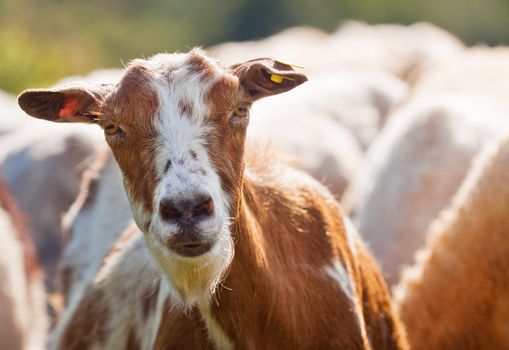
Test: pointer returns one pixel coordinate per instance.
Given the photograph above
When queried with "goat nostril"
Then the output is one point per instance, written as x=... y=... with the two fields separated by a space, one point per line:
x=205 y=208
x=168 y=211
x=186 y=210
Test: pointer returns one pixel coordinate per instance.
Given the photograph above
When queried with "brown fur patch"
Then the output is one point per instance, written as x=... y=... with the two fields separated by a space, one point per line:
x=185 y=108
x=226 y=142
x=181 y=330
x=133 y=107
x=198 y=64
x=133 y=343
x=89 y=324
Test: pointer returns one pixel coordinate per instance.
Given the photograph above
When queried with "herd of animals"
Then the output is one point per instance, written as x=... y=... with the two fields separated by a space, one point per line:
x=365 y=205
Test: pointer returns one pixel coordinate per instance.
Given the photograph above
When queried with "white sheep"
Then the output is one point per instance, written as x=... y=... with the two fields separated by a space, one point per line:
x=412 y=170
x=418 y=161
x=325 y=126
x=400 y=50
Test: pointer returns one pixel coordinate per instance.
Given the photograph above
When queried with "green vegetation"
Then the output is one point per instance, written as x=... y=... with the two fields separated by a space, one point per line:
x=42 y=41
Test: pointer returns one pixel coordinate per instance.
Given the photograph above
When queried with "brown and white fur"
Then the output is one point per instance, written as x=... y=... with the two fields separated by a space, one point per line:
x=300 y=279
x=23 y=318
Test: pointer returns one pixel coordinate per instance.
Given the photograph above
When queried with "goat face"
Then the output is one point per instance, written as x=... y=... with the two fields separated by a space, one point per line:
x=176 y=124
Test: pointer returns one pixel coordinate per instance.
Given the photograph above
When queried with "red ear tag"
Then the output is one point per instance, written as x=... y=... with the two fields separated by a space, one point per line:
x=69 y=108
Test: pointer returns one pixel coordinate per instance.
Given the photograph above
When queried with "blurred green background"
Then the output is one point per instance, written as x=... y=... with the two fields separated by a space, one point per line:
x=42 y=41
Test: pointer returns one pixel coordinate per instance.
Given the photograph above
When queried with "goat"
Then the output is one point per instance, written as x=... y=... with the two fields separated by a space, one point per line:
x=176 y=124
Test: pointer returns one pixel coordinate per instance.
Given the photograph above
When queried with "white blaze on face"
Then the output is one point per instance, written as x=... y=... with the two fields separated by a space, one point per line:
x=182 y=141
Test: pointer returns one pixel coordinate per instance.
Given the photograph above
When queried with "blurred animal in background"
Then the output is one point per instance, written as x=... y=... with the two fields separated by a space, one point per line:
x=420 y=158
x=46 y=164
x=399 y=50
x=326 y=126
x=42 y=169
x=23 y=320
x=456 y=296
x=94 y=222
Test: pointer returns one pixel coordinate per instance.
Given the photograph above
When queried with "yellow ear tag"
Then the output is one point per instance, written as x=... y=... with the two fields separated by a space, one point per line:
x=276 y=78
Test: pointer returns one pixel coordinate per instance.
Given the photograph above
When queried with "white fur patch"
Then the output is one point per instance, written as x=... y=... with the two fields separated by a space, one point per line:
x=158 y=315
x=351 y=235
x=216 y=333
x=193 y=280
x=339 y=273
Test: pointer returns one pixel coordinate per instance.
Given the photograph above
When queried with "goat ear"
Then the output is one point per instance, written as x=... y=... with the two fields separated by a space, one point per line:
x=71 y=103
x=265 y=76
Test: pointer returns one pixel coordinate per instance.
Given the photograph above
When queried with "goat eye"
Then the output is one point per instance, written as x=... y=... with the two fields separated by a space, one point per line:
x=112 y=129
x=241 y=112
